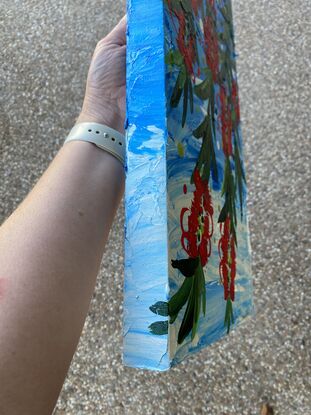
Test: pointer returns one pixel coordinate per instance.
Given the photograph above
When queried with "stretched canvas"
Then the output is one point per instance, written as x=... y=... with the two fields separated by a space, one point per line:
x=187 y=253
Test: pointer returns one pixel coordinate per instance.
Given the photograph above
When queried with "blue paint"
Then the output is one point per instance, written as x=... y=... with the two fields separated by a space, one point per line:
x=145 y=191
x=155 y=175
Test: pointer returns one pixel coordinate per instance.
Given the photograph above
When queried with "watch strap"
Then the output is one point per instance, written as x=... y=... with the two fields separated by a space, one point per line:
x=102 y=136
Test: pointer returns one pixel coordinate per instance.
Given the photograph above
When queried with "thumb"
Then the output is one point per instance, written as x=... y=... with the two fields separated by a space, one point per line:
x=118 y=33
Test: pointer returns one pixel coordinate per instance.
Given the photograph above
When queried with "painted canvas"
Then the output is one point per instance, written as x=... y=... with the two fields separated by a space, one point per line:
x=188 y=275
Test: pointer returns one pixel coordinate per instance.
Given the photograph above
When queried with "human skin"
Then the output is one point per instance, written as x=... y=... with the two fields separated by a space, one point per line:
x=52 y=245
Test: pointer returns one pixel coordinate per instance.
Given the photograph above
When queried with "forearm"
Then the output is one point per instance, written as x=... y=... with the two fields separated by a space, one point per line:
x=50 y=253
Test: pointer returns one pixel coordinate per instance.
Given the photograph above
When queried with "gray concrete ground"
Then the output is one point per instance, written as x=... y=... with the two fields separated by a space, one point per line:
x=45 y=52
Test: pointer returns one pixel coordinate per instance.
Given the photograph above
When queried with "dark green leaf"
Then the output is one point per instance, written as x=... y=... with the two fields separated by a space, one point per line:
x=160 y=307
x=203 y=90
x=178 y=88
x=197 y=290
x=187 y=322
x=206 y=147
x=174 y=57
x=213 y=158
x=191 y=96
x=212 y=110
x=233 y=232
x=176 y=95
x=159 y=327
x=224 y=14
x=239 y=174
x=186 y=266
x=229 y=318
x=179 y=299
x=183 y=76
x=223 y=213
x=185 y=102
x=200 y=130
x=173 y=318
x=203 y=288
x=226 y=180
x=186 y=5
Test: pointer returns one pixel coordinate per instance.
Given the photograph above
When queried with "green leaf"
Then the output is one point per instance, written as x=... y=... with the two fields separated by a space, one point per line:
x=191 y=96
x=159 y=327
x=183 y=76
x=160 y=307
x=185 y=102
x=186 y=266
x=229 y=318
x=226 y=180
x=173 y=318
x=224 y=14
x=223 y=213
x=196 y=300
x=178 y=88
x=203 y=288
x=174 y=57
x=239 y=174
x=203 y=90
x=207 y=156
x=176 y=95
x=186 y=5
x=233 y=233
x=206 y=147
x=187 y=322
x=197 y=290
x=213 y=157
x=179 y=299
x=200 y=130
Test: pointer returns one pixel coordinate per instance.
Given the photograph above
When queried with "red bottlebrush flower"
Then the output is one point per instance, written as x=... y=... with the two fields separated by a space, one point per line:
x=227 y=264
x=196 y=240
x=226 y=123
x=235 y=100
x=223 y=249
x=211 y=43
x=186 y=44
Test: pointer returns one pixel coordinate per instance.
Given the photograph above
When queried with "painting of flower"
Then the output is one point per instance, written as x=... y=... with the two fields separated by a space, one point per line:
x=201 y=32
x=188 y=258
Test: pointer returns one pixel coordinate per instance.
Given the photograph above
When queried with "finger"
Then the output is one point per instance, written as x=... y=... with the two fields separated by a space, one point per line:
x=118 y=33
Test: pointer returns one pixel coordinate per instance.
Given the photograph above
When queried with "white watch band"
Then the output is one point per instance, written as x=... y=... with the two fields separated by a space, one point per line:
x=104 y=137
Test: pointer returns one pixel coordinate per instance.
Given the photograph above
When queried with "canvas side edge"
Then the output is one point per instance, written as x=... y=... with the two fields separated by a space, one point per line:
x=145 y=279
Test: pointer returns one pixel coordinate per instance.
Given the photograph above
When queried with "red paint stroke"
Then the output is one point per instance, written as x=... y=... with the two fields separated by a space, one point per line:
x=226 y=122
x=196 y=4
x=186 y=44
x=196 y=240
x=185 y=40
x=227 y=264
x=211 y=42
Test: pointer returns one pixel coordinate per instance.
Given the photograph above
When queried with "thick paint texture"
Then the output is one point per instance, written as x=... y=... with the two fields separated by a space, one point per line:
x=187 y=253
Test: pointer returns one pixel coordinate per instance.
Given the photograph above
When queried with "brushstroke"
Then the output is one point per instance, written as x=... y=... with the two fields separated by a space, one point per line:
x=188 y=277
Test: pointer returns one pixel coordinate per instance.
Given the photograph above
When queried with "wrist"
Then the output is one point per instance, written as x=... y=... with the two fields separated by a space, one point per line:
x=102 y=136
x=101 y=113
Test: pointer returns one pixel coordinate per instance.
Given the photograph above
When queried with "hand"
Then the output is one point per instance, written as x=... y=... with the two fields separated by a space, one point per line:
x=104 y=100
